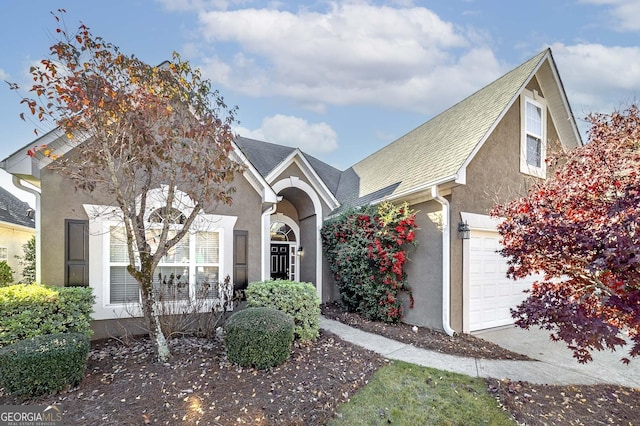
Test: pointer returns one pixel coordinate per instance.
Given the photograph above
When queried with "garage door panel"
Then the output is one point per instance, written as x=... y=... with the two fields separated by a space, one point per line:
x=491 y=293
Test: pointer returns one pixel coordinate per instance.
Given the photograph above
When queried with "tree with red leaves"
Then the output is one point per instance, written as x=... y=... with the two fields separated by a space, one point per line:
x=580 y=229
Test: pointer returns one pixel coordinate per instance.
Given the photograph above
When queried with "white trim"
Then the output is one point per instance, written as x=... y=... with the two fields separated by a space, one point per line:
x=293 y=246
x=296 y=182
x=423 y=187
x=476 y=222
x=101 y=218
x=533 y=98
x=446 y=260
x=265 y=252
x=254 y=178
x=481 y=222
x=297 y=157
x=38 y=231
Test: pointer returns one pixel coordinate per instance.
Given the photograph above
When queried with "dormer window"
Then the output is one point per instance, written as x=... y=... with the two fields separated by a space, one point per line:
x=533 y=145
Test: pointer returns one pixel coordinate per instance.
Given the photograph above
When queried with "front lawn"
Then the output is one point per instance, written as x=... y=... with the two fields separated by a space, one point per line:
x=405 y=394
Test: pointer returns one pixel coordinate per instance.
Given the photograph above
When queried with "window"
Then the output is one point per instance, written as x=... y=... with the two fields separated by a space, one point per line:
x=533 y=142
x=3 y=254
x=190 y=268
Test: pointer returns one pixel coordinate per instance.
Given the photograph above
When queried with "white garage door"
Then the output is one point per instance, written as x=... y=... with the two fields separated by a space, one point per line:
x=491 y=293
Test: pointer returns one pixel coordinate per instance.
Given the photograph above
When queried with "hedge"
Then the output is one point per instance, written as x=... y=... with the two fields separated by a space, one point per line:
x=43 y=364
x=33 y=310
x=297 y=299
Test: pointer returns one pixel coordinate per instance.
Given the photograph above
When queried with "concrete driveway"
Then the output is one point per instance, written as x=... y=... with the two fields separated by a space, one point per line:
x=606 y=366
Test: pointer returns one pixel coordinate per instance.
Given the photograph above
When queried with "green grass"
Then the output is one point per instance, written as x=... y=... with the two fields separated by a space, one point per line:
x=407 y=394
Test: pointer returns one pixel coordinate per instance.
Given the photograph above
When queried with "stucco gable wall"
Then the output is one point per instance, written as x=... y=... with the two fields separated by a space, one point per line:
x=59 y=201
x=493 y=176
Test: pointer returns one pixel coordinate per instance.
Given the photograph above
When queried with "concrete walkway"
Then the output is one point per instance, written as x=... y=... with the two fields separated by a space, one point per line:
x=548 y=370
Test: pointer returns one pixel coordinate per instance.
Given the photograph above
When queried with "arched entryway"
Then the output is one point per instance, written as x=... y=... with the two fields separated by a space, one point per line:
x=300 y=208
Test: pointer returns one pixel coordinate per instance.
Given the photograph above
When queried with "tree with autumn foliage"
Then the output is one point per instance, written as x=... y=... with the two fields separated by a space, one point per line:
x=580 y=229
x=136 y=128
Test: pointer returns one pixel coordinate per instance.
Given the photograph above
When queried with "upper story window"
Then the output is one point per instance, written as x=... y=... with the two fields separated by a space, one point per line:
x=4 y=254
x=533 y=145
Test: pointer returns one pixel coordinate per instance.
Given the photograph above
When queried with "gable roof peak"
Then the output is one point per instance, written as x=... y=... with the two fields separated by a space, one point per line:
x=439 y=149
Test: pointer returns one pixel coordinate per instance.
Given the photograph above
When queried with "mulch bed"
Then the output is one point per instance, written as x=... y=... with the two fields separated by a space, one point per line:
x=568 y=405
x=123 y=386
x=199 y=386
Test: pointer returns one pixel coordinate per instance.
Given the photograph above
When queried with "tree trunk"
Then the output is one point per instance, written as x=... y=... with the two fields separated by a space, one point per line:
x=150 y=310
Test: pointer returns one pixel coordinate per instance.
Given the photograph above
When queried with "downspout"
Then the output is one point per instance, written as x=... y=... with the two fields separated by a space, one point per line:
x=266 y=242
x=18 y=184
x=446 y=259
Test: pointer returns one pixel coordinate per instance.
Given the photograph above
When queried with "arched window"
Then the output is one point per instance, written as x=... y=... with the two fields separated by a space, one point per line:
x=282 y=232
x=171 y=215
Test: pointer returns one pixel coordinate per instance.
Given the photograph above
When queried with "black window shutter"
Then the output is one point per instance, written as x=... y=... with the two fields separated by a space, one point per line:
x=76 y=252
x=240 y=259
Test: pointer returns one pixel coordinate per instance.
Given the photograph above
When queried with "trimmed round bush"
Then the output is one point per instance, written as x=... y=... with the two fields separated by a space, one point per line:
x=43 y=364
x=259 y=337
x=297 y=299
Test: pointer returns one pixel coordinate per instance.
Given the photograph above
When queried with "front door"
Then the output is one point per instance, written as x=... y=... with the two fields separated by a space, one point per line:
x=280 y=261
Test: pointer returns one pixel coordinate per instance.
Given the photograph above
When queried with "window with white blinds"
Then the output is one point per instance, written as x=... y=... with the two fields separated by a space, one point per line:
x=189 y=269
x=534 y=134
x=533 y=145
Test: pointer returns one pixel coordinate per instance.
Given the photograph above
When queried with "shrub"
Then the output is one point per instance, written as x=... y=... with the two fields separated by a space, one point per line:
x=43 y=364
x=33 y=310
x=28 y=261
x=366 y=251
x=6 y=274
x=259 y=337
x=297 y=299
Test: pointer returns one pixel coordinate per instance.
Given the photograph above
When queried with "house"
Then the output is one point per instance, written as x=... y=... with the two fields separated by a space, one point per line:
x=17 y=227
x=452 y=169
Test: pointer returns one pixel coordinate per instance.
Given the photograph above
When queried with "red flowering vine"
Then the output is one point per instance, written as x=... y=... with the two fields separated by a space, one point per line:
x=366 y=250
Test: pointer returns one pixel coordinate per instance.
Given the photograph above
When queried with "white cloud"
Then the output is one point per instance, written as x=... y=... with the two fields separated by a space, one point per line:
x=295 y=132
x=598 y=78
x=3 y=74
x=353 y=53
x=624 y=12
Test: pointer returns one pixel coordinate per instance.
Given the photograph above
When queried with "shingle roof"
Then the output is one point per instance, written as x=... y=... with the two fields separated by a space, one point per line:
x=264 y=156
x=267 y=156
x=438 y=148
x=14 y=211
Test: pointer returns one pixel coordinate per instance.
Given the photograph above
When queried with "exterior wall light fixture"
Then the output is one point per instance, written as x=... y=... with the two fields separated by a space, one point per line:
x=464 y=231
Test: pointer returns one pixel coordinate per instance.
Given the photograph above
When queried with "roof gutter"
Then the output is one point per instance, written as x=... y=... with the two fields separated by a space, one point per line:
x=18 y=183
x=265 y=220
x=446 y=259
x=419 y=188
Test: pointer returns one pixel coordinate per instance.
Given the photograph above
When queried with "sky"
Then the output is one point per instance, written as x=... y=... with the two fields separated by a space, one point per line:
x=339 y=79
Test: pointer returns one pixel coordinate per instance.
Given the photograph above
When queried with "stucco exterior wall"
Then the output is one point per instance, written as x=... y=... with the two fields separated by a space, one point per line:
x=13 y=238
x=59 y=202
x=493 y=176
x=424 y=269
